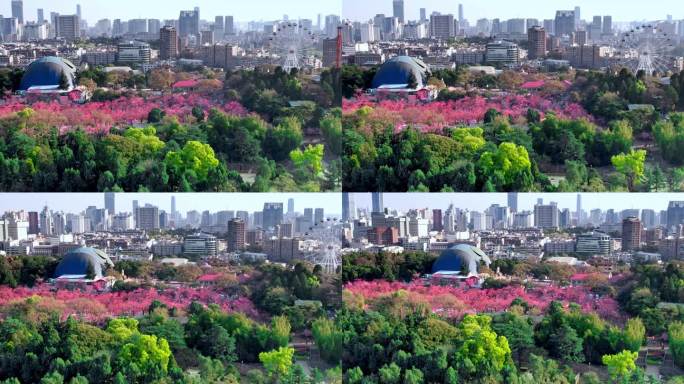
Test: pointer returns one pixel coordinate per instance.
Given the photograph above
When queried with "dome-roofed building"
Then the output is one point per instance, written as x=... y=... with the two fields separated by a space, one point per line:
x=77 y=264
x=460 y=259
x=49 y=74
x=395 y=74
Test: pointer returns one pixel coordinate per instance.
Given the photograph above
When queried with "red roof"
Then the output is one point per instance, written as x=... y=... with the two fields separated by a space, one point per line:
x=533 y=84
x=210 y=277
x=579 y=276
x=186 y=83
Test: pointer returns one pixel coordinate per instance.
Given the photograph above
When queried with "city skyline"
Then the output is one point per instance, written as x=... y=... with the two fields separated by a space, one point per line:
x=361 y=10
x=526 y=201
x=214 y=202
x=94 y=10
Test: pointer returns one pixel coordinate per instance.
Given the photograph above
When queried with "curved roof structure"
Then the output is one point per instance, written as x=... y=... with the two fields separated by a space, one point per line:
x=76 y=262
x=460 y=257
x=396 y=72
x=46 y=74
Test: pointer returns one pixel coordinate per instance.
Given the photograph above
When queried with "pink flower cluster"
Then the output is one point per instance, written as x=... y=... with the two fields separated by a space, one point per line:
x=456 y=302
x=96 y=117
x=95 y=306
x=434 y=116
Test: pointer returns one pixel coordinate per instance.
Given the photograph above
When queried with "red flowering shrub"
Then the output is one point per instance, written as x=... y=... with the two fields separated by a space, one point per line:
x=94 y=306
x=456 y=302
x=96 y=117
x=435 y=116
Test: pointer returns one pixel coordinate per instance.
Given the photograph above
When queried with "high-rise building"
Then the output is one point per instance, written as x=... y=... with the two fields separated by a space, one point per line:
x=68 y=27
x=46 y=227
x=78 y=11
x=229 y=28
x=319 y=215
x=675 y=215
x=594 y=243
x=200 y=245
x=546 y=216
x=442 y=26
x=346 y=206
x=565 y=220
x=578 y=212
x=578 y=17
x=135 y=52
x=648 y=218
x=110 y=202
x=236 y=235
x=59 y=223
x=398 y=8
x=564 y=23
x=290 y=206
x=41 y=16
x=34 y=228
x=330 y=52
x=631 y=234
x=173 y=207
x=135 y=212
x=168 y=43
x=607 y=25
x=461 y=18
x=513 y=201
x=377 y=206
x=536 y=36
x=549 y=25
x=117 y=28
x=331 y=24
x=437 y=223
x=188 y=23
x=273 y=215
x=18 y=10
x=219 y=26
x=148 y=218
x=153 y=25
x=423 y=14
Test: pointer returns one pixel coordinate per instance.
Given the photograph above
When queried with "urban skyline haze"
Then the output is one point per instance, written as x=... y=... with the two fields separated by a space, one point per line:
x=77 y=202
x=93 y=10
x=526 y=201
x=621 y=11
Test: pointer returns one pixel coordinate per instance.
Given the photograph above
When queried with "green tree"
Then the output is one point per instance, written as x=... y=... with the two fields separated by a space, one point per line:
x=280 y=331
x=331 y=127
x=277 y=362
x=631 y=165
x=508 y=167
x=481 y=351
x=283 y=139
x=634 y=334
x=390 y=374
x=566 y=344
x=621 y=365
x=309 y=161
x=195 y=159
x=675 y=332
x=413 y=376
x=329 y=339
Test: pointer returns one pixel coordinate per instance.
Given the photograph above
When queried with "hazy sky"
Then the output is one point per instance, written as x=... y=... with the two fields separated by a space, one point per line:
x=77 y=202
x=526 y=201
x=621 y=10
x=93 y=10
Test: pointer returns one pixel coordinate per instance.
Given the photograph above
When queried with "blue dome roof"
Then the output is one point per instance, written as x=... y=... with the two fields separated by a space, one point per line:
x=458 y=257
x=397 y=71
x=47 y=72
x=76 y=262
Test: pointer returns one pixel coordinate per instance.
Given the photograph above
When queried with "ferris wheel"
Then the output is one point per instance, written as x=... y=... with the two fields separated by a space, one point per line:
x=294 y=46
x=327 y=233
x=646 y=48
